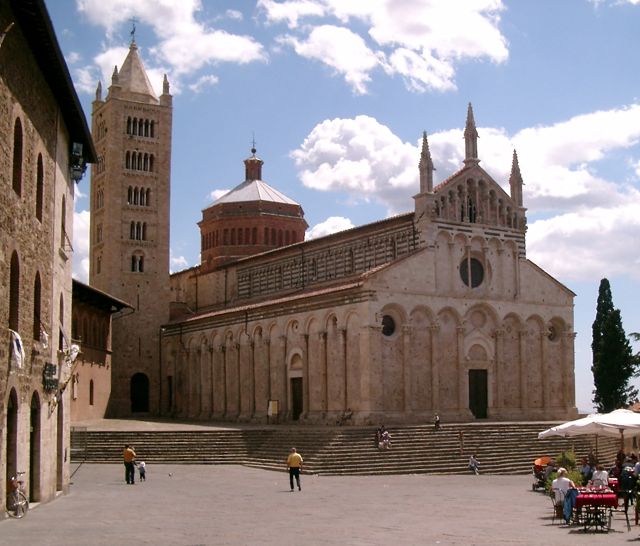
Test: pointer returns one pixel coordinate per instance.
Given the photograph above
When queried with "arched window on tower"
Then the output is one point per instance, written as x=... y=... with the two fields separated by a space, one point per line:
x=129 y=125
x=127 y=160
x=130 y=195
x=132 y=230
x=148 y=197
x=39 y=188
x=14 y=292
x=151 y=163
x=144 y=231
x=151 y=129
x=17 y=157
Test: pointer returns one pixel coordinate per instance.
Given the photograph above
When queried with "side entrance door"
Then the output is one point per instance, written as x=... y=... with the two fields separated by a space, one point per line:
x=296 y=397
x=478 y=397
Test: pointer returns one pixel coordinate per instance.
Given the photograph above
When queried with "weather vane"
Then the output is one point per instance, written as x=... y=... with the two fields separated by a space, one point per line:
x=253 y=142
x=133 y=29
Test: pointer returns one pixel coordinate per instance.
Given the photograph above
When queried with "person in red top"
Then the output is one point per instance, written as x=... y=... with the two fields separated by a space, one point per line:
x=129 y=456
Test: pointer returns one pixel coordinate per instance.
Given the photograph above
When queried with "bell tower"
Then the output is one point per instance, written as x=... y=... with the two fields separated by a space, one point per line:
x=129 y=247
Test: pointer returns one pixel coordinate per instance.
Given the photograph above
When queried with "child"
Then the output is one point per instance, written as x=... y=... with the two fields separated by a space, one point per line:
x=142 y=471
x=474 y=464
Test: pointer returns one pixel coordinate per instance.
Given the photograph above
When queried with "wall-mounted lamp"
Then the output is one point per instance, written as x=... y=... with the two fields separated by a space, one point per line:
x=77 y=165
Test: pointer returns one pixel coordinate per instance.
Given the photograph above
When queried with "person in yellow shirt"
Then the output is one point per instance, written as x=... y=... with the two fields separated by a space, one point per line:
x=294 y=464
x=129 y=456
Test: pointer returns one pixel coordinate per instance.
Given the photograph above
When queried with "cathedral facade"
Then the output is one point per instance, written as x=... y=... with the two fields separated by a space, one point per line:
x=434 y=311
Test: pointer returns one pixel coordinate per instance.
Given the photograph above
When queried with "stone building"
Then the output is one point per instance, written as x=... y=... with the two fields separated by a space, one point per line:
x=129 y=251
x=90 y=380
x=434 y=311
x=44 y=146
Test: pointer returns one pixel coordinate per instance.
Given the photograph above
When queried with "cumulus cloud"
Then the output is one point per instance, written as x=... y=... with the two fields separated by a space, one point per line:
x=423 y=48
x=361 y=157
x=341 y=49
x=573 y=211
x=333 y=224
x=184 y=46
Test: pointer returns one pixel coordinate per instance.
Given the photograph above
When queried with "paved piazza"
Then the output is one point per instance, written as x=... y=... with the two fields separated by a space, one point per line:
x=190 y=505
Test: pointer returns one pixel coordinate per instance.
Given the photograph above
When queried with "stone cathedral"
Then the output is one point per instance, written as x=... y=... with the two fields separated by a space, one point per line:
x=434 y=311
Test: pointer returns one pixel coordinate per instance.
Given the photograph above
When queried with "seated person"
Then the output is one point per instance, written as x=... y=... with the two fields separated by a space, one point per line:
x=560 y=487
x=600 y=477
x=586 y=471
x=385 y=440
x=551 y=468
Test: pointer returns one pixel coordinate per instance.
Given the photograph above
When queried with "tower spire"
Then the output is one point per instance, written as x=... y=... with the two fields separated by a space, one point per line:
x=515 y=180
x=426 y=166
x=470 y=139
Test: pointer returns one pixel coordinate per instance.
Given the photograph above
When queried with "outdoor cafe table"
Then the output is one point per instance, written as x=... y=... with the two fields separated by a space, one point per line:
x=592 y=507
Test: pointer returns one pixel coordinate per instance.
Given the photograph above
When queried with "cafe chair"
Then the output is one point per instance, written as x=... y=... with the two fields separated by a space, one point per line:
x=557 y=501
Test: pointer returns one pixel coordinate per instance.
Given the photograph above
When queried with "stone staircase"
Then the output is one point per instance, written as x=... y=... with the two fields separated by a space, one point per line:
x=502 y=448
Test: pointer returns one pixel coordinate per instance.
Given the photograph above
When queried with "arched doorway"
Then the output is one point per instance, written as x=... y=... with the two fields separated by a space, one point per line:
x=295 y=377
x=12 y=435
x=139 y=393
x=34 y=449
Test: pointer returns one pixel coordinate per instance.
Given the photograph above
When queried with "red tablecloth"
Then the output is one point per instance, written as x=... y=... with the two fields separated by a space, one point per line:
x=596 y=499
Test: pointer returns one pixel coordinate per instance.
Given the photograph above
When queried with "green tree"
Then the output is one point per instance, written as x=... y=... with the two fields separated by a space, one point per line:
x=613 y=361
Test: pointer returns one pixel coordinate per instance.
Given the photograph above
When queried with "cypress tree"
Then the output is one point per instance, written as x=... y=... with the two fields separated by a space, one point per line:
x=613 y=361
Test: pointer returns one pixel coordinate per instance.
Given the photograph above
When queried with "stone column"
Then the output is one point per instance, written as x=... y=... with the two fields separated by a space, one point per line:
x=499 y=364
x=462 y=396
x=285 y=378
x=324 y=369
x=305 y=377
x=212 y=383
x=568 y=367
x=342 y=357
x=435 y=376
x=522 y=366
x=546 y=372
x=407 y=332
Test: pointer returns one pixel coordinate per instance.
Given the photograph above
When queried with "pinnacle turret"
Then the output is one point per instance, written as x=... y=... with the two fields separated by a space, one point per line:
x=515 y=180
x=470 y=139
x=426 y=166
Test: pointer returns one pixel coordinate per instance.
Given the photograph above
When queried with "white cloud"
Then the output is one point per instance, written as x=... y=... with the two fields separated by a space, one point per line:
x=333 y=224
x=592 y=219
x=217 y=194
x=177 y=263
x=234 y=14
x=341 y=49
x=421 y=40
x=588 y=244
x=184 y=45
x=360 y=157
x=291 y=11
x=81 y=224
x=203 y=82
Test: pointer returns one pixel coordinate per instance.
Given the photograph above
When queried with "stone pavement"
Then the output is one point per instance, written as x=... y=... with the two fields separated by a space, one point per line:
x=190 y=505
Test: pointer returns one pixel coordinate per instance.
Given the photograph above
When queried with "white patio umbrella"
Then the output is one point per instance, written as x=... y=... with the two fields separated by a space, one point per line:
x=614 y=423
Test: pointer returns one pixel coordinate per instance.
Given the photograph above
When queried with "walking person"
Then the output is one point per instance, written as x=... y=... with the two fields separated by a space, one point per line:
x=142 y=471
x=294 y=464
x=129 y=456
x=474 y=465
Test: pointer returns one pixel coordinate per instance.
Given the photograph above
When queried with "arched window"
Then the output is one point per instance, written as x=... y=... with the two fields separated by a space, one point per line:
x=144 y=231
x=91 y=392
x=14 y=292
x=39 y=188
x=145 y=162
x=143 y=197
x=98 y=264
x=129 y=125
x=17 y=157
x=151 y=128
x=37 y=294
x=146 y=127
x=135 y=126
x=136 y=196
x=266 y=236
x=63 y=222
x=61 y=320
x=273 y=236
x=132 y=230
x=130 y=195
x=279 y=237
x=148 y=198
x=151 y=163
x=254 y=236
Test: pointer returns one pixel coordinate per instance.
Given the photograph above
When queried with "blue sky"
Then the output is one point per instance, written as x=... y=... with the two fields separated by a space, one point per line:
x=338 y=92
